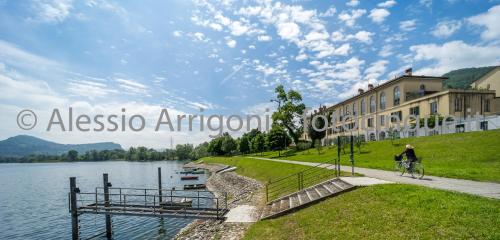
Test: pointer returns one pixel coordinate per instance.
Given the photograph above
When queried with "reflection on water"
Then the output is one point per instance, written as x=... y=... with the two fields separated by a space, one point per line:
x=34 y=200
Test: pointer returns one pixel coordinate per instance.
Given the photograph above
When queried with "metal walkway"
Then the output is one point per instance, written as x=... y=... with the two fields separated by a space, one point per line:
x=146 y=202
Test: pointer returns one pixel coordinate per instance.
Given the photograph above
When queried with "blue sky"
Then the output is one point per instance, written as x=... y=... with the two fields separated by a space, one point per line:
x=226 y=57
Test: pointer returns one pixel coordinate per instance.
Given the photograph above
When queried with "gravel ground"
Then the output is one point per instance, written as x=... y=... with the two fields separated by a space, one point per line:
x=241 y=190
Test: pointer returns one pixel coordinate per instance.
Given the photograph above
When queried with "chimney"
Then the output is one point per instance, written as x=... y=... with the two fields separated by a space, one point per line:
x=408 y=71
x=361 y=91
x=370 y=86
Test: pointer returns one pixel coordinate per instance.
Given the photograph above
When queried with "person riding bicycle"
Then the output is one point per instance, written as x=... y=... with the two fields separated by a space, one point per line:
x=410 y=155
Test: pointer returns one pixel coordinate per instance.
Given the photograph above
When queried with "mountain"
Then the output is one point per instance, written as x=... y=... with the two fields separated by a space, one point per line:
x=463 y=78
x=24 y=145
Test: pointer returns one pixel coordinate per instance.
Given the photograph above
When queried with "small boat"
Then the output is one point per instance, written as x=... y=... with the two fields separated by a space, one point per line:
x=189 y=178
x=229 y=169
x=192 y=172
x=194 y=186
x=184 y=202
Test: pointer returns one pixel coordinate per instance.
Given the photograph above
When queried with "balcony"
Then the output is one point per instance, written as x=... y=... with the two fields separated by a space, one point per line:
x=418 y=94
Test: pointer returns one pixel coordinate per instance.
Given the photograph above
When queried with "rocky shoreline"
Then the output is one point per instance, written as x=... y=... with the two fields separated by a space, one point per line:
x=241 y=190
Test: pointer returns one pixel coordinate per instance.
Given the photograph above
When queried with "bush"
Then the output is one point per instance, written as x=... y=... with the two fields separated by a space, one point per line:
x=303 y=146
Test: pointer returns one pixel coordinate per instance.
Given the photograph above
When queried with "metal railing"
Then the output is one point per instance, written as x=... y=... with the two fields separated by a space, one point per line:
x=300 y=180
x=131 y=199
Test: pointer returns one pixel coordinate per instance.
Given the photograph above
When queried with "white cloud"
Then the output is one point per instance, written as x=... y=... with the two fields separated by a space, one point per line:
x=350 y=18
x=445 y=29
x=454 y=55
x=132 y=86
x=362 y=36
x=386 y=51
x=15 y=56
x=177 y=33
x=329 y=12
x=376 y=70
x=387 y=4
x=231 y=43
x=378 y=15
x=408 y=25
x=301 y=57
x=264 y=38
x=215 y=26
x=488 y=20
x=52 y=10
x=289 y=30
x=337 y=36
x=238 y=29
x=426 y=3
x=352 y=3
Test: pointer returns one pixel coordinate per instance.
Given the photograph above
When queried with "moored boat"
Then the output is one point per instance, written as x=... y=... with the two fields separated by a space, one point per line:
x=194 y=186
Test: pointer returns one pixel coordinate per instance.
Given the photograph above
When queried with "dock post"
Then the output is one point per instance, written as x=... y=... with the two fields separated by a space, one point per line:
x=352 y=154
x=338 y=156
x=73 y=209
x=159 y=184
x=106 y=183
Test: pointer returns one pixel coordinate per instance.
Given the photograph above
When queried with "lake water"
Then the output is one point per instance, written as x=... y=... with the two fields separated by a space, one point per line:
x=34 y=200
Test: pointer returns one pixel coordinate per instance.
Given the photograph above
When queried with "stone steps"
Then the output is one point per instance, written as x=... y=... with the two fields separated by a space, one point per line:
x=305 y=197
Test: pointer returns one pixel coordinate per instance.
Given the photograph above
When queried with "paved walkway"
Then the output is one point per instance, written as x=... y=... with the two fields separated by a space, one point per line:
x=485 y=189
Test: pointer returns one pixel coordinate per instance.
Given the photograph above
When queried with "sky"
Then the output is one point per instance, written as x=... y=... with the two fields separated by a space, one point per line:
x=225 y=57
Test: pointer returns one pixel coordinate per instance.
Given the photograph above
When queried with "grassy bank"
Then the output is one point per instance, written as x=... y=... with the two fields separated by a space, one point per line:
x=259 y=170
x=473 y=155
x=388 y=212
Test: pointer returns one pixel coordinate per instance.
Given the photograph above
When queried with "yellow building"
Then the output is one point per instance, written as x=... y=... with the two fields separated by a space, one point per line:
x=390 y=107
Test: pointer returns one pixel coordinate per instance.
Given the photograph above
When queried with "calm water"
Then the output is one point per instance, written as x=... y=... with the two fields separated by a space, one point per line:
x=34 y=201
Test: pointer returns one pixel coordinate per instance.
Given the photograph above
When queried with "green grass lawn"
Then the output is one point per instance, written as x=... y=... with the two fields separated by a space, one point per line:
x=393 y=211
x=473 y=155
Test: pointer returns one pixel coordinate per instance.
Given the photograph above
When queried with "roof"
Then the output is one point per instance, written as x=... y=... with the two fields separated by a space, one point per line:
x=463 y=78
x=400 y=78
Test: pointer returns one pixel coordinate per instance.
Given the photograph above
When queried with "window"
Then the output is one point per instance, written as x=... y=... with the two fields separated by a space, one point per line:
x=372 y=137
x=381 y=136
x=373 y=105
x=460 y=128
x=458 y=104
x=421 y=90
x=434 y=107
x=397 y=114
x=363 y=106
x=382 y=120
x=484 y=125
x=354 y=109
x=415 y=111
x=487 y=105
x=370 y=122
x=382 y=101
x=397 y=96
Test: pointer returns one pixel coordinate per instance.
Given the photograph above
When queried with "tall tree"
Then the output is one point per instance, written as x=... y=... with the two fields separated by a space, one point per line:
x=313 y=133
x=244 y=145
x=72 y=155
x=228 y=144
x=259 y=143
x=289 y=112
x=278 y=139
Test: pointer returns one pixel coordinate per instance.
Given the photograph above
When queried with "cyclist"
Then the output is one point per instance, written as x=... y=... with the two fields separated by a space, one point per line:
x=410 y=155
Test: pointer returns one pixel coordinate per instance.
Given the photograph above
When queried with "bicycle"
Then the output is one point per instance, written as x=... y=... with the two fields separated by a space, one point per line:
x=402 y=165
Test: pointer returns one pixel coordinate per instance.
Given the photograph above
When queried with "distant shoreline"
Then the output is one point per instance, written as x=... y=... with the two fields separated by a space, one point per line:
x=111 y=160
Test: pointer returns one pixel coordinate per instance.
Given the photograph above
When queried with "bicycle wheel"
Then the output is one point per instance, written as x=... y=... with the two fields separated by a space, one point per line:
x=418 y=170
x=399 y=168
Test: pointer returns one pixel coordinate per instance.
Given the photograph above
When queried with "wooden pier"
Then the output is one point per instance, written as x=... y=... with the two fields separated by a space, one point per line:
x=145 y=202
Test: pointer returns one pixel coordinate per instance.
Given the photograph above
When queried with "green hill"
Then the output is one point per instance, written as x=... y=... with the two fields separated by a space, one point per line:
x=24 y=145
x=463 y=78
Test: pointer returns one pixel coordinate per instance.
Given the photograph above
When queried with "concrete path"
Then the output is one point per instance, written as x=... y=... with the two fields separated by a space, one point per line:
x=364 y=181
x=484 y=189
x=242 y=214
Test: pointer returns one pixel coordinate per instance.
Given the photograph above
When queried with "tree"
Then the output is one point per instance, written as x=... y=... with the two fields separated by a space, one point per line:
x=244 y=144
x=258 y=143
x=277 y=138
x=289 y=112
x=215 y=146
x=315 y=135
x=201 y=151
x=359 y=142
x=184 y=151
x=72 y=155
x=228 y=144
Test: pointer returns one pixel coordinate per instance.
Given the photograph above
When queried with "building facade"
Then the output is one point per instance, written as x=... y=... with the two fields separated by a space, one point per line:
x=392 y=107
